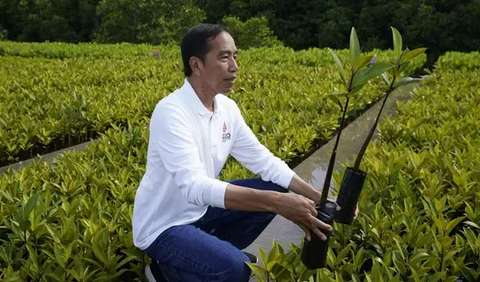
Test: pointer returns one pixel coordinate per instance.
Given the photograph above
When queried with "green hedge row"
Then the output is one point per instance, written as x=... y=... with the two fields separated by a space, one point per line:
x=49 y=104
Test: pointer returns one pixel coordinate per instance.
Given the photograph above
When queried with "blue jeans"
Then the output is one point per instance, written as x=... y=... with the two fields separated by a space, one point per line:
x=209 y=249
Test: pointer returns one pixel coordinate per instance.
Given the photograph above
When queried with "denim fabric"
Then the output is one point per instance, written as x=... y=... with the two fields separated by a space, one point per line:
x=209 y=249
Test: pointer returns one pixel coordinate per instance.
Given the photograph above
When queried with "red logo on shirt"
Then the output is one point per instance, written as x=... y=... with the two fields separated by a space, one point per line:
x=226 y=135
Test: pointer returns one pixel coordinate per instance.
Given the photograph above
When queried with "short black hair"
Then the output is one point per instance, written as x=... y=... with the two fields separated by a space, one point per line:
x=195 y=42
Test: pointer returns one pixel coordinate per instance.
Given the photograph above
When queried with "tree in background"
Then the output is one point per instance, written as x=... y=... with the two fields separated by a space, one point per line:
x=3 y=34
x=441 y=25
x=48 y=20
x=146 y=21
x=254 y=32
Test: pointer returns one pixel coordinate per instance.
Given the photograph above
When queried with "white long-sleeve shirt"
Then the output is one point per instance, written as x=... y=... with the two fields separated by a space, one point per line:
x=188 y=146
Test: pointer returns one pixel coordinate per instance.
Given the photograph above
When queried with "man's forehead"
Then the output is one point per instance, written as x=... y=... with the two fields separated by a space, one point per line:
x=228 y=51
x=223 y=43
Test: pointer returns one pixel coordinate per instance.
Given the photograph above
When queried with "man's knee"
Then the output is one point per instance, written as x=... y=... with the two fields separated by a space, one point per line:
x=235 y=269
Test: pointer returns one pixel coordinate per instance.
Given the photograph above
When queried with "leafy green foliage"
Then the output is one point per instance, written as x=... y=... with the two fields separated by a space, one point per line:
x=59 y=103
x=3 y=33
x=279 y=265
x=88 y=88
x=457 y=60
x=254 y=32
x=154 y=22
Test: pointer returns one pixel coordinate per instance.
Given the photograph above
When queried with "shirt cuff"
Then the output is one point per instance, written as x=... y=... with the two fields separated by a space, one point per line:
x=286 y=177
x=217 y=194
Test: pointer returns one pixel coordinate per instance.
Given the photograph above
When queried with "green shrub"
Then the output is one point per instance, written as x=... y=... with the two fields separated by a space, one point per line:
x=254 y=32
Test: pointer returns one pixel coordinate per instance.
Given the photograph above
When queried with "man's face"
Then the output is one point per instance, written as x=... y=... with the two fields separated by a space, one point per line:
x=220 y=68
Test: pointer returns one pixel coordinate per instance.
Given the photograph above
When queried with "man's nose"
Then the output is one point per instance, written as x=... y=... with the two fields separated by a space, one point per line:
x=233 y=65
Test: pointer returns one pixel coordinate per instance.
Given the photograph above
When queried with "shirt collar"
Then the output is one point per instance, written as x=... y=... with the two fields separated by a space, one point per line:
x=193 y=101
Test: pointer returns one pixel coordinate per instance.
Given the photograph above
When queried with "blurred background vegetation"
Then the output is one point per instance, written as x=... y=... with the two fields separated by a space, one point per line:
x=440 y=25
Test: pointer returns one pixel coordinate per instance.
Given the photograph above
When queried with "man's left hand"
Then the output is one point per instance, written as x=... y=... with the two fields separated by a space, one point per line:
x=318 y=196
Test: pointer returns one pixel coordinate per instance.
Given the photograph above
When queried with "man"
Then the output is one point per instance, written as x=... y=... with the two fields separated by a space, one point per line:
x=192 y=225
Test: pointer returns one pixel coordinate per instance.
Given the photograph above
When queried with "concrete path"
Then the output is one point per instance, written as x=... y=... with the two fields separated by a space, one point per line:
x=49 y=158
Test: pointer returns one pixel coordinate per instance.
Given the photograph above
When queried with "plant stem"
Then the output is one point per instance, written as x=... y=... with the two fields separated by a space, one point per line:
x=372 y=130
x=328 y=176
x=441 y=261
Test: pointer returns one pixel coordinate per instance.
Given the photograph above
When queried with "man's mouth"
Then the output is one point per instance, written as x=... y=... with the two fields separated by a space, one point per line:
x=231 y=79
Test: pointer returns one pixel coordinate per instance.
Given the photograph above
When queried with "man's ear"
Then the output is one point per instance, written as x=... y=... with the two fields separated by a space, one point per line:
x=195 y=65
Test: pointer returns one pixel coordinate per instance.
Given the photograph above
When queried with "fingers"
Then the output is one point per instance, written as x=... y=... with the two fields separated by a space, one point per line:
x=316 y=226
x=356 y=212
x=320 y=224
x=315 y=230
x=312 y=208
x=319 y=234
x=307 y=232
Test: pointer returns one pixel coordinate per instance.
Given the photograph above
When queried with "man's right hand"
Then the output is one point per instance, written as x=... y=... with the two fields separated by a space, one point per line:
x=301 y=211
x=294 y=207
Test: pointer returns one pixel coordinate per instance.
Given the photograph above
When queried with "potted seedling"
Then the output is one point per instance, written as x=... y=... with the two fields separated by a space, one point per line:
x=314 y=252
x=354 y=178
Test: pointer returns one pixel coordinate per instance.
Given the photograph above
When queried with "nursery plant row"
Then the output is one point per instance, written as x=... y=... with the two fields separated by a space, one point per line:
x=50 y=104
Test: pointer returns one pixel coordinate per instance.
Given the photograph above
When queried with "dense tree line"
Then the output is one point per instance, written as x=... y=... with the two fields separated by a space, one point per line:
x=439 y=24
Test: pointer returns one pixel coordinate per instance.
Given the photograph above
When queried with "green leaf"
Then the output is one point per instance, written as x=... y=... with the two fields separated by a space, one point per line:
x=403 y=67
x=436 y=277
x=359 y=75
x=307 y=274
x=399 y=264
x=449 y=255
x=376 y=273
x=274 y=251
x=385 y=78
x=359 y=258
x=472 y=224
x=396 y=278
x=414 y=274
x=361 y=62
x=32 y=202
x=418 y=257
x=25 y=225
x=403 y=81
x=354 y=47
x=99 y=253
x=413 y=54
x=270 y=265
x=453 y=223
x=259 y=272
x=397 y=41
x=338 y=277
x=60 y=258
x=280 y=273
x=263 y=256
x=400 y=59
x=343 y=253
x=451 y=279
x=335 y=99
x=339 y=66
x=373 y=72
